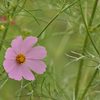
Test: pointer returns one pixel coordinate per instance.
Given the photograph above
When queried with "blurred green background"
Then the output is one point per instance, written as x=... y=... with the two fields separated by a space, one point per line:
x=65 y=34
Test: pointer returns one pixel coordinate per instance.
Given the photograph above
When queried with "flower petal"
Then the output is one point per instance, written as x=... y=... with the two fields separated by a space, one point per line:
x=10 y=54
x=8 y=65
x=17 y=44
x=28 y=43
x=36 y=65
x=2 y=19
x=38 y=52
x=26 y=73
x=15 y=73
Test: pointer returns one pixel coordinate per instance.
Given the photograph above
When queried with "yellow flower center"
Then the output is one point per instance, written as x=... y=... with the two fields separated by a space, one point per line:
x=20 y=58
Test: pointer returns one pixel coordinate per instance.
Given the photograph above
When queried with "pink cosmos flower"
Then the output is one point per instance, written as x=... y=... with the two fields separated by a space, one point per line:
x=3 y=19
x=22 y=57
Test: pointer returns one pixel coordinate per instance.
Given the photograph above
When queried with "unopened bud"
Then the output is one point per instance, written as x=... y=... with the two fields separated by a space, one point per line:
x=10 y=18
x=25 y=31
x=2 y=27
x=13 y=4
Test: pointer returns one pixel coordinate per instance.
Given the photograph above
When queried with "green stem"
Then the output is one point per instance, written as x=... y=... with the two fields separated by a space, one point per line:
x=85 y=12
x=89 y=84
x=4 y=35
x=84 y=80
x=87 y=28
x=85 y=15
x=31 y=90
x=69 y=6
x=84 y=45
x=23 y=5
x=48 y=24
x=78 y=78
x=20 y=90
x=32 y=98
x=61 y=10
x=93 y=12
x=4 y=48
x=7 y=25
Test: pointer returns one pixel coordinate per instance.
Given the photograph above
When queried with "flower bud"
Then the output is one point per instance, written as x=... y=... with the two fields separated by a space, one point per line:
x=13 y=4
x=26 y=31
x=2 y=27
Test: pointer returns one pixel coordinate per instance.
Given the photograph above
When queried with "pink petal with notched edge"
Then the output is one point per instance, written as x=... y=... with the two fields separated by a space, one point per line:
x=38 y=52
x=9 y=65
x=26 y=73
x=28 y=43
x=17 y=44
x=36 y=65
x=15 y=73
x=10 y=54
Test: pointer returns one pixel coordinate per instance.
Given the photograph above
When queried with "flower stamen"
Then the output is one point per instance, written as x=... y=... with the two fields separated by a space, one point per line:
x=20 y=58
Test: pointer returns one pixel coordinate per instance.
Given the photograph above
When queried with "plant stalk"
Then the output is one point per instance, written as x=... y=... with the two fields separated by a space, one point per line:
x=89 y=84
x=60 y=11
x=8 y=23
x=84 y=45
